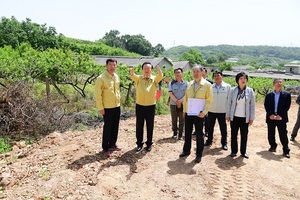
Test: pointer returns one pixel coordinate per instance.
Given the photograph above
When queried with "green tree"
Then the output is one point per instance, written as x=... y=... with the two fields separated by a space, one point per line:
x=40 y=37
x=225 y=66
x=192 y=56
x=158 y=49
x=138 y=44
x=222 y=57
x=113 y=39
x=11 y=32
x=211 y=59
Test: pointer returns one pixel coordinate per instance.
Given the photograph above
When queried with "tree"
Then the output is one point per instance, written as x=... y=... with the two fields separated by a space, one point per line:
x=138 y=44
x=225 y=66
x=11 y=32
x=158 y=49
x=40 y=37
x=113 y=39
x=222 y=57
x=132 y=43
x=211 y=59
x=192 y=56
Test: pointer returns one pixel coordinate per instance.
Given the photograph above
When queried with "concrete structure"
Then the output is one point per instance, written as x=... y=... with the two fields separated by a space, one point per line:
x=292 y=68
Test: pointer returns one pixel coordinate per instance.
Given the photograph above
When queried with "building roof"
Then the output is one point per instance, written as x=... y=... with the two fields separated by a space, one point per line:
x=266 y=75
x=184 y=65
x=292 y=65
x=242 y=68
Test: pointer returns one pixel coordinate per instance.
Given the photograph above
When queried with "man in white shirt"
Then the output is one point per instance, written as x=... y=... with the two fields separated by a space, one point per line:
x=218 y=109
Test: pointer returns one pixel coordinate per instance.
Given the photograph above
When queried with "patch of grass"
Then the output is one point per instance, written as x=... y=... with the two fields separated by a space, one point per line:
x=44 y=173
x=81 y=127
x=4 y=145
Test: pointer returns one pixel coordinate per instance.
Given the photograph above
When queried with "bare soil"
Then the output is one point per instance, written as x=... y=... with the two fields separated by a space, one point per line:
x=70 y=165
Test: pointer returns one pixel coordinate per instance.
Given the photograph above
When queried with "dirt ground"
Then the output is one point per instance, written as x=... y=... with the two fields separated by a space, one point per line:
x=70 y=166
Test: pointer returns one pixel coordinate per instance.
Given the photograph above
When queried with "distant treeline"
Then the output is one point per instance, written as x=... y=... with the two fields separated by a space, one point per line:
x=40 y=37
x=284 y=53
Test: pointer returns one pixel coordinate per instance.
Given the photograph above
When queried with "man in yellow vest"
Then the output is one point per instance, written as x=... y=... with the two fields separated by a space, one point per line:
x=107 y=92
x=146 y=88
x=198 y=89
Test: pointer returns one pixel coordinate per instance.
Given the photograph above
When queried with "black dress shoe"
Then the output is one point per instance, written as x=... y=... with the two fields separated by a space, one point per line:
x=272 y=149
x=245 y=155
x=207 y=143
x=183 y=154
x=198 y=159
x=232 y=154
x=225 y=147
x=286 y=155
x=148 y=148
x=138 y=148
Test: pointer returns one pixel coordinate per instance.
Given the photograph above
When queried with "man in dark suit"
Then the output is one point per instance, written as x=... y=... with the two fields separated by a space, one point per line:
x=277 y=104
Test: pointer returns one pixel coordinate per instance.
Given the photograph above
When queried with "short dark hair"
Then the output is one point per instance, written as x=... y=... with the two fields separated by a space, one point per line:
x=178 y=69
x=237 y=77
x=147 y=63
x=204 y=69
x=217 y=72
x=111 y=60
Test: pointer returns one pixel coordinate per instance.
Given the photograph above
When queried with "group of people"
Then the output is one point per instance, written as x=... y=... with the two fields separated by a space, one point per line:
x=222 y=103
x=107 y=94
x=217 y=101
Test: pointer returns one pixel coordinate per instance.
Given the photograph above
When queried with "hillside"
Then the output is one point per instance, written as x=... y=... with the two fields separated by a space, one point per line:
x=258 y=54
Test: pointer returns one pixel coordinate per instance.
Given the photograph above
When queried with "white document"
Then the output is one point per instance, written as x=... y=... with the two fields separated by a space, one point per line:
x=195 y=106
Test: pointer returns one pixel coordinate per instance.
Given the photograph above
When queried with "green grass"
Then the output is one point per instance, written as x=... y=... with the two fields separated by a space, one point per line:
x=4 y=145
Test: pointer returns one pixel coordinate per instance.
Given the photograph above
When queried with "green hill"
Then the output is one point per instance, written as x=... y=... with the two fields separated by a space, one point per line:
x=256 y=55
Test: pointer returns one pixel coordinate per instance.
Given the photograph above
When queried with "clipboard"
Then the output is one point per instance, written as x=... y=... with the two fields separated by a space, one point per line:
x=195 y=106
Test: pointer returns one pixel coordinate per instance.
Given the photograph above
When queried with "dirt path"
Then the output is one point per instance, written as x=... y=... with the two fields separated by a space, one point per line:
x=69 y=166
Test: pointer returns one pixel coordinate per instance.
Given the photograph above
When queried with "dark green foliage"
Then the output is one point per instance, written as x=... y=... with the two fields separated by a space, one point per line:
x=132 y=43
x=258 y=56
x=193 y=56
x=14 y=33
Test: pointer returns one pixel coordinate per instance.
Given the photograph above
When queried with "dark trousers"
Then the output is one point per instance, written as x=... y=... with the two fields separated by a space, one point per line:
x=239 y=123
x=191 y=121
x=222 y=123
x=206 y=123
x=281 y=127
x=176 y=115
x=144 y=113
x=296 y=127
x=111 y=127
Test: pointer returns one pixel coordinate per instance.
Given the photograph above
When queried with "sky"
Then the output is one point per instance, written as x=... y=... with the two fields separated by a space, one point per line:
x=168 y=22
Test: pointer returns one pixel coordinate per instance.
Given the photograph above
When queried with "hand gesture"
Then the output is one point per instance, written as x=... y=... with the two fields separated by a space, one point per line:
x=131 y=71
x=228 y=119
x=201 y=115
x=158 y=69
